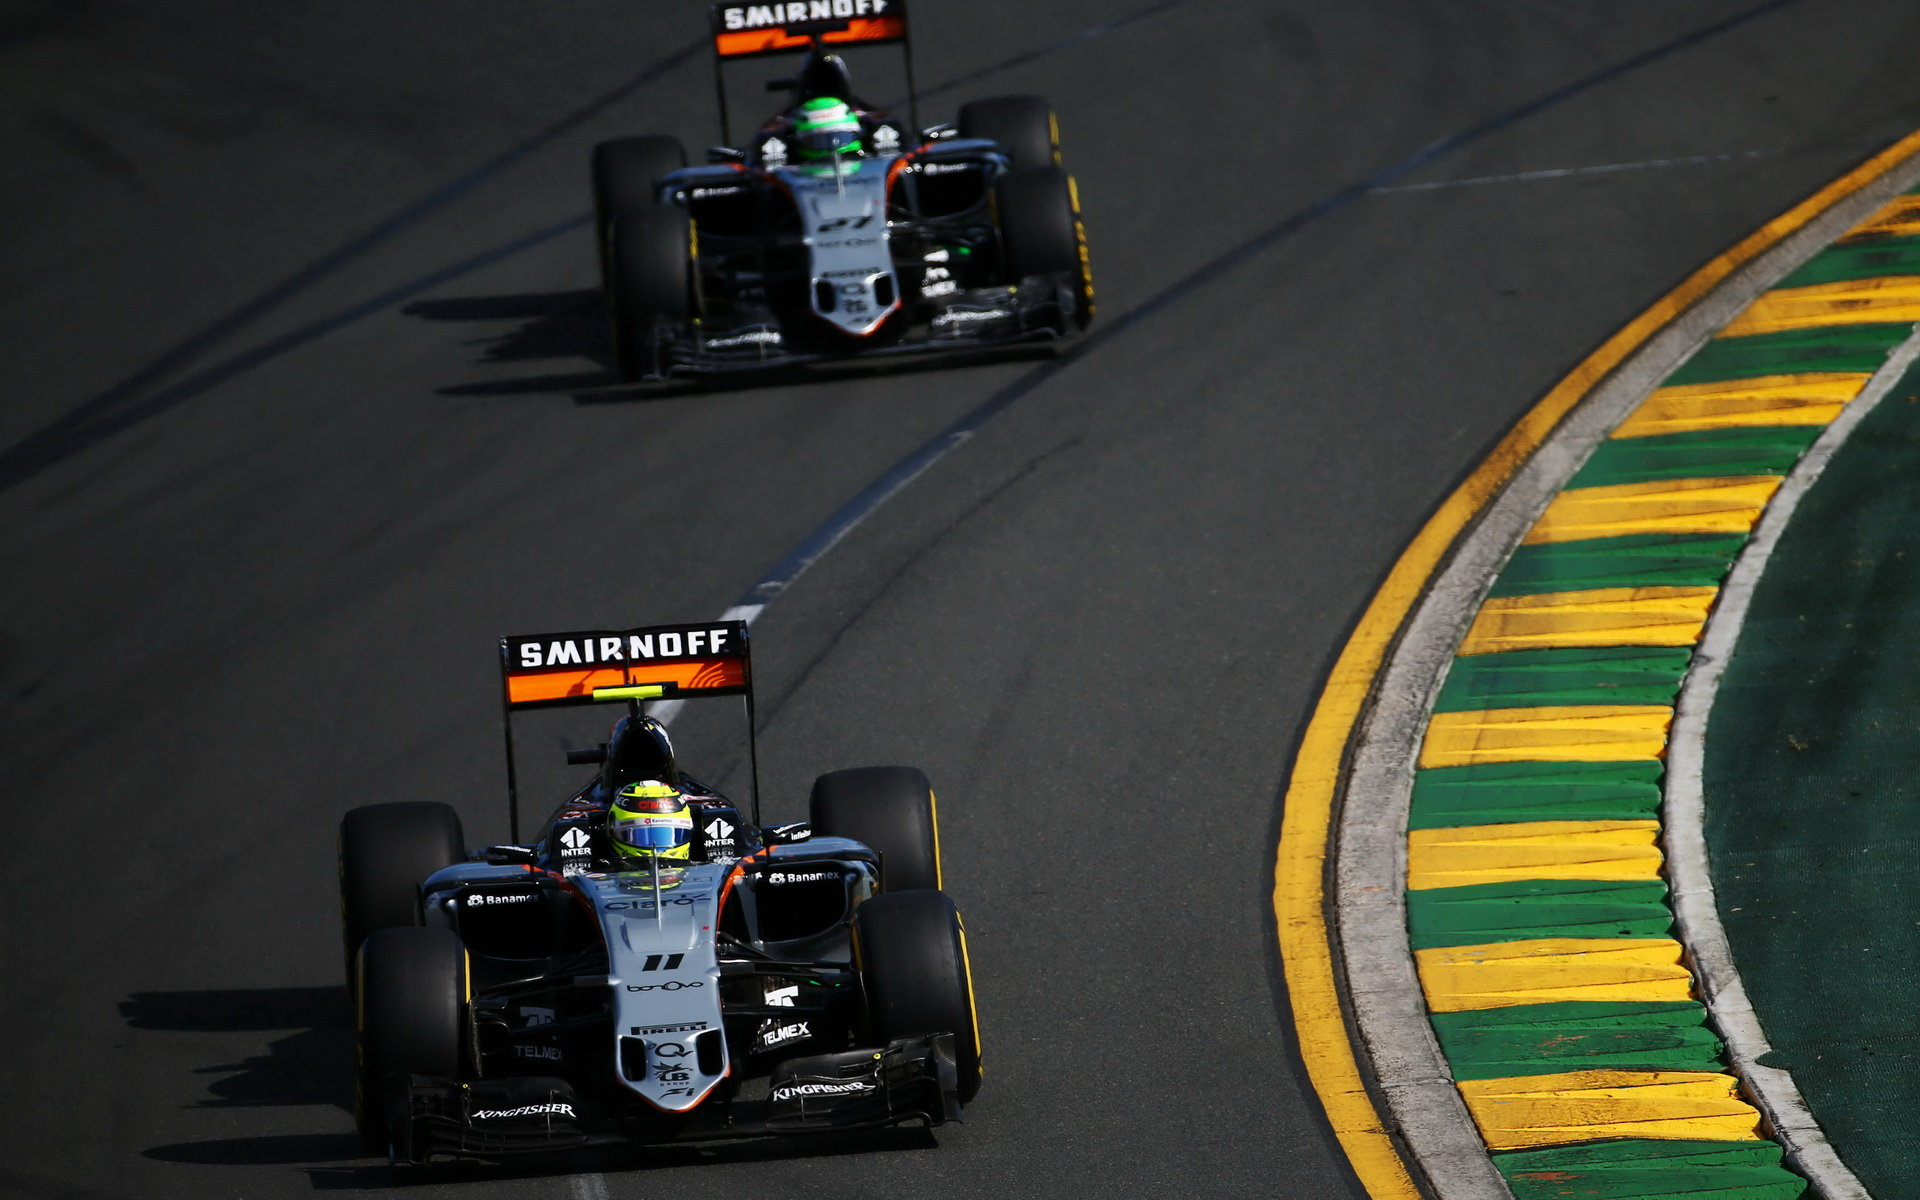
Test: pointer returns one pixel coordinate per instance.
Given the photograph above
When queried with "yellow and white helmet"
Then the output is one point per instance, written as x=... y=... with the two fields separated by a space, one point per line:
x=651 y=819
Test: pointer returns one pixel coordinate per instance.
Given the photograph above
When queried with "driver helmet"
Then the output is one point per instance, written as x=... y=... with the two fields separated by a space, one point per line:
x=824 y=128
x=650 y=819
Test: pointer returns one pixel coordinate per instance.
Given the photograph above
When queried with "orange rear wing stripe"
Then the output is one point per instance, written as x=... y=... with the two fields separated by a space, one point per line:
x=744 y=30
x=685 y=660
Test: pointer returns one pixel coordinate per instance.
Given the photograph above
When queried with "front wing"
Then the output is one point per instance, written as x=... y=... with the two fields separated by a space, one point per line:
x=981 y=317
x=910 y=1079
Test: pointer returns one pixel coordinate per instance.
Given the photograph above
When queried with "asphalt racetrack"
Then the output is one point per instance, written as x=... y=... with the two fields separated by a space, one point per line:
x=308 y=404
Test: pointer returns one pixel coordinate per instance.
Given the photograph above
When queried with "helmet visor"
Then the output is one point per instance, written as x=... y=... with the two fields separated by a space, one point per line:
x=652 y=832
x=826 y=139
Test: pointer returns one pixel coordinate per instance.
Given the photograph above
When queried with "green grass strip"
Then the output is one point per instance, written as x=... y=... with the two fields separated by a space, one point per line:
x=1869 y=258
x=1581 y=1035
x=1651 y=1170
x=1828 y=348
x=1743 y=450
x=1517 y=911
x=1639 y=560
x=1580 y=675
x=1492 y=793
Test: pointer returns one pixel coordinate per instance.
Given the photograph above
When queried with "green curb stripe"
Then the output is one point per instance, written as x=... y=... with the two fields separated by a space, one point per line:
x=1548 y=1039
x=1537 y=908
x=1651 y=1170
x=1581 y=675
x=1869 y=258
x=1797 y=351
x=1619 y=1039
x=1638 y=560
x=1743 y=450
x=1493 y=793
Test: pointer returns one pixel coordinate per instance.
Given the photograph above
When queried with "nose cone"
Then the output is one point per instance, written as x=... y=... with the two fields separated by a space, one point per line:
x=854 y=287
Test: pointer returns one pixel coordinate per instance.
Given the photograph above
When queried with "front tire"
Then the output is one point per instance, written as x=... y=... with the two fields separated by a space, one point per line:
x=626 y=172
x=892 y=810
x=410 y=1006
x=385 y=851
x=1024 y=126
x=912 y=952
x=1038 y=213
x=650 y=284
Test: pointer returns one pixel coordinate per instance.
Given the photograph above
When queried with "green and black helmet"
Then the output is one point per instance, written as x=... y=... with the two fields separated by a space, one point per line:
x=825 y=127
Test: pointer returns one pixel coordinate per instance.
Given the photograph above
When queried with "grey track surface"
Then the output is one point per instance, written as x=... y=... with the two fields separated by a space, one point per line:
x=1099 y=625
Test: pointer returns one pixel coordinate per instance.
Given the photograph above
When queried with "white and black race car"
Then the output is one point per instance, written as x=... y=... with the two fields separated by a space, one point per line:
x=531 y=998
x=966 y=234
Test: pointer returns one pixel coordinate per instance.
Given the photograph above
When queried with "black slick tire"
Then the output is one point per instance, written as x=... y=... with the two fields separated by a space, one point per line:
x=1038 y=213
x=625 y=172
x=1023 y=125
x=912 y=952
x=385 y=851
x=892 y=810
x=410 y=1005
x=650 y=283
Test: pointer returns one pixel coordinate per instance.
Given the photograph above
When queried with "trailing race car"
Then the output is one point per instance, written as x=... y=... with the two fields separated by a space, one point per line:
x=659 y=966
x=838 y=230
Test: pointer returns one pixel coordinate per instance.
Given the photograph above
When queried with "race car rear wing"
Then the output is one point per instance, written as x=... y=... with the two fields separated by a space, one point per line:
x=742 y=29
x=599 y=666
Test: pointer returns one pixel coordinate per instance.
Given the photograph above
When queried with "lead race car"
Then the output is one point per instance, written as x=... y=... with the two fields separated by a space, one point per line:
x=658 y=966
x=838 y=230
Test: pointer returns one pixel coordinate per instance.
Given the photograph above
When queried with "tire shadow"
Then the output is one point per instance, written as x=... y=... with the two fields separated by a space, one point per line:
x=307 y=1066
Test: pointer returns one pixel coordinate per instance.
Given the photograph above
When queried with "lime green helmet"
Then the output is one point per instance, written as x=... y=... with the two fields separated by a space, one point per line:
x=650 y=819
x=825 y=127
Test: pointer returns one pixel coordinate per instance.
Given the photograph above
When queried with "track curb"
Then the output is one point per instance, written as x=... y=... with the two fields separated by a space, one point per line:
x=1355 y=767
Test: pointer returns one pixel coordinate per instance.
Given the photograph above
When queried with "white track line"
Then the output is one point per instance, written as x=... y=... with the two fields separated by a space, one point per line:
x=1684 y=827
x=1692 y=160
x=588 y=1187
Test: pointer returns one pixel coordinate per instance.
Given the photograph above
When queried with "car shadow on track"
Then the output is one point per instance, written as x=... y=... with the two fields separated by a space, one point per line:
x=304 y=1067
x=574 y=325
x=637 y=1161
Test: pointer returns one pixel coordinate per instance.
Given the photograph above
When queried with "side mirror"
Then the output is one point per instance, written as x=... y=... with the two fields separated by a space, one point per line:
x=783 y=85
x=509 y=856
x=592 y=756
x=725 y=154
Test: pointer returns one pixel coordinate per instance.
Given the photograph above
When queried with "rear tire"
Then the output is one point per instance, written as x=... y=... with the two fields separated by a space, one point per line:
x=625 y=172
x=385 y=852
x=650 y=283
x=912 y=953
x=410 y=1018
x=1038 y=211
x=1023 y=125
x=892 y=810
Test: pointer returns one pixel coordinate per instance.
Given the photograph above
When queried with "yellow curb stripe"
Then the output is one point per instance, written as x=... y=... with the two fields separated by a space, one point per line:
x=1300 y=860
x=1584 y=1106
x=1457 y=857
x=1568 y=733
x=1898 y=219
x=1848 y=302
x=1649 y=616
x=1809 y=399
x=1729 y=505
x=1545 y=970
